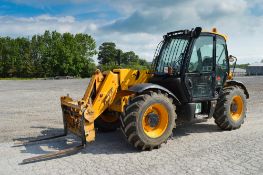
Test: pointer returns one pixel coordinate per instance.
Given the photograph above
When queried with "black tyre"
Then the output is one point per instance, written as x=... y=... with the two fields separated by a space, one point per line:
x=231 y=108
x=149 y=120
x=107 y=122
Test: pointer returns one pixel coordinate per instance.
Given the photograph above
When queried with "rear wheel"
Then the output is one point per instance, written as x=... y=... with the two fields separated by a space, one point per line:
x=149 y=120
x=107 y=121
x=231 y=108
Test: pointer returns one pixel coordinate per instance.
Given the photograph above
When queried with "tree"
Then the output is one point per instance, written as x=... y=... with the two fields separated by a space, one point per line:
x=55 y=54
x=108 y=58
x=50 y=54
x=85 y=48
x=130 y=58
x=1 y=56
x=8 y=57
x=107 y=53
x=36 y=47
x=24 y=64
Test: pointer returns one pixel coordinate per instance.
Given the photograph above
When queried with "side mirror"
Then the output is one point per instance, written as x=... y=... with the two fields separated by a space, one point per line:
x=232 y=58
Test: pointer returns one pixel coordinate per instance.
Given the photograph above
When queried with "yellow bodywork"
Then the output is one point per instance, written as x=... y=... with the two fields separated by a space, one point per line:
x=230 y=76
x=107 y=90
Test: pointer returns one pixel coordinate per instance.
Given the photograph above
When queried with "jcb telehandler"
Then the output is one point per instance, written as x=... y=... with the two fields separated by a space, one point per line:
x=190 y=76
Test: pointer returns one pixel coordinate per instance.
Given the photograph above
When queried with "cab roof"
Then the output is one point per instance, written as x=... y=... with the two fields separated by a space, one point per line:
x=214 y=31
x=193 y=33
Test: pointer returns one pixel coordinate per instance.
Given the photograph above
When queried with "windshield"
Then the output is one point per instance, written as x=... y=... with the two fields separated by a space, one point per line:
x=171 y=55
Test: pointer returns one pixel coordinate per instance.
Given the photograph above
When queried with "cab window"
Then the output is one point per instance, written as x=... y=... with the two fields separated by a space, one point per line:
x=202 y=56
x=221 y=60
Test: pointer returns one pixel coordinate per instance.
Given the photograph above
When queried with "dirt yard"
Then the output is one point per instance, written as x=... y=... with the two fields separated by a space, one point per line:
x=31 y=108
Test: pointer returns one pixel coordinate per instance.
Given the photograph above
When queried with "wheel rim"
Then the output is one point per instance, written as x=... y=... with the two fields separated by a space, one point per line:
x=109 y=118
x=236 y=108
x=155 y=120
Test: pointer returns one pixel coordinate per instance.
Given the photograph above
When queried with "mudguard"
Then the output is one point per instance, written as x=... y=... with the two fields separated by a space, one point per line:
x=139 y=88
x=237 y=83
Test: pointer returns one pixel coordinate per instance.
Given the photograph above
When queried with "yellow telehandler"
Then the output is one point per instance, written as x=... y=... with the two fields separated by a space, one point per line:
x=190 y=76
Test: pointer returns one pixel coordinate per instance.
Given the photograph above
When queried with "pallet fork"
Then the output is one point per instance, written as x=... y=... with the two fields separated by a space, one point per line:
x=55 y=154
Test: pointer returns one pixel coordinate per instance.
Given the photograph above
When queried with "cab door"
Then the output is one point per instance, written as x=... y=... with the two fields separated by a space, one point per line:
x=222 y=65
x=200 y=71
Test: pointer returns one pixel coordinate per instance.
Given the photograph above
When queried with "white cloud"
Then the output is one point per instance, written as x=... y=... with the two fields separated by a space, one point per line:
x=142 y=43
x=45 y=3
x=231 y=17
x=144 y=22
x=21 y=26
x=64 y=19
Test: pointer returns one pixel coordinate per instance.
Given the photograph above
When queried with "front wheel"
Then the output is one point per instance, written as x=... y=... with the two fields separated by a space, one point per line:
x=231 y=108
x=149 y=120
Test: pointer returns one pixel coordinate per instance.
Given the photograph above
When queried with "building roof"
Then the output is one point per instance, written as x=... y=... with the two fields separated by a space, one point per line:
x=256 y=65
x=239 y=70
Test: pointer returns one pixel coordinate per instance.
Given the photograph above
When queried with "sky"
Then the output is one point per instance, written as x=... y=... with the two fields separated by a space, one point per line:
x=139 y=25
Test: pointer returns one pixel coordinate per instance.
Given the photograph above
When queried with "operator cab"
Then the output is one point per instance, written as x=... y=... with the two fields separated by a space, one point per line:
x=198 y=59
x=192 y=64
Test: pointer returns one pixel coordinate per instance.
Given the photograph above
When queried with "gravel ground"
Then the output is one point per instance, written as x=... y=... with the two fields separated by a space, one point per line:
x=32 y=108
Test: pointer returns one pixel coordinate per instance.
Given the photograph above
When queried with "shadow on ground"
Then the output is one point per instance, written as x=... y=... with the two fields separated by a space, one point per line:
x=188 y=128
x=106 y=143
